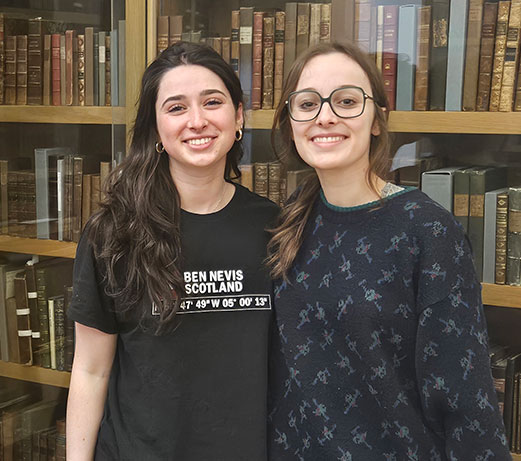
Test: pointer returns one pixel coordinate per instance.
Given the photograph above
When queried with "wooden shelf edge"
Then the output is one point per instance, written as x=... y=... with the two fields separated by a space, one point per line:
x=501 y=295
x=35 y=374
x=37 y=247
x=516 y=457
x=425 y=122
x=102 y=115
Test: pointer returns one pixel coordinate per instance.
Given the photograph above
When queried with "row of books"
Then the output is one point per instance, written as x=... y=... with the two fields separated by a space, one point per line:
x=55 y=199
x=30 y=428
x=34 y=329
x=490 y=213
x=506 y=372
x=60 y=69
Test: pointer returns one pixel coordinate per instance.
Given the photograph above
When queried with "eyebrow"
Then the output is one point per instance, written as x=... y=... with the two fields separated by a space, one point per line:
x=180 y=97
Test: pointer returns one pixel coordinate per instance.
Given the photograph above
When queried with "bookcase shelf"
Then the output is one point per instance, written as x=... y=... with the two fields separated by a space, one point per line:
x=35 y=374
x=92 y=115
x=516 y=457
x=37 y=247
x=501 y=295
x=426 y=122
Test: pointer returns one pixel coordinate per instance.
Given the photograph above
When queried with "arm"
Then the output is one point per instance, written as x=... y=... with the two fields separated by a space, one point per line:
x=93 y=357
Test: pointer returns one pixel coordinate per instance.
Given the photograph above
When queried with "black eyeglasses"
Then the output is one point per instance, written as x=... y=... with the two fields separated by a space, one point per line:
x=345 y=102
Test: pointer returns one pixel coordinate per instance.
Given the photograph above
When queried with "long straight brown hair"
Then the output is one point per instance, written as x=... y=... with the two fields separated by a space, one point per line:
x=288 y=234
x=136 y=234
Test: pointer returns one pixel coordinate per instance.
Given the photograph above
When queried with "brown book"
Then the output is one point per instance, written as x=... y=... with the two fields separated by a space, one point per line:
x=56 y=71
x=69 y=331
x=175 y=29
x=274 y=175
x=30 y=280
x=10 y=70
x=421 y=90
x=12 y=330
x=278 y=72
x=35 y=61
x=86 y=199
x=226 y=49
x=506 y=102
x=12 y=203
x=503 y=13
x=104 y=171
x=256 y=84
x=501 y=237
x=363 y=24
x=21 y=69
x=2 y=56
x=488 y=33
x=68 y=197
x=290 y=37
x=77 y=198
x=69 y=67
x=95 y=195
x=268 y=51
x=470 y=79
x=513 y=275
x=4 y=169
x=343 y=20
x=216 y=44
x=303 y=17
x=247 y=175
x=75 y=70
x=23 y=315
x=163 y=33
x=390 y=43
x=81 y=69
x=325 y=22
x=27 y=200
x=260 y=178
x=234 y=41
x=314 y=23
x=108 y=71
x=63 y=72
x=517 y=106
x=89 y=66
x=47 y=71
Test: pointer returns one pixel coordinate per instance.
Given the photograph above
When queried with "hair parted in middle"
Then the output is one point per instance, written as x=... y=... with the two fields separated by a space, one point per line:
x=288 y=235
x=139 y=221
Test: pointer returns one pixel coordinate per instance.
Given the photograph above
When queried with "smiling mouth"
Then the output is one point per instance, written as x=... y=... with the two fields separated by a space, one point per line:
x=326 y=139
x=198 y=141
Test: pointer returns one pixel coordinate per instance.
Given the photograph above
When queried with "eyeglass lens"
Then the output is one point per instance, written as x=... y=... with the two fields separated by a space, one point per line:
x=345 y=102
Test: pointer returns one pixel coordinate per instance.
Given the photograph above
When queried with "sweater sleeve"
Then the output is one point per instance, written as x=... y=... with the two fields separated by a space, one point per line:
x=452 y=360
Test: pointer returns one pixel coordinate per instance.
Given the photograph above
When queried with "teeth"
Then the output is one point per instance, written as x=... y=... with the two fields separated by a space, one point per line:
x=198 y=142
x=328 y=138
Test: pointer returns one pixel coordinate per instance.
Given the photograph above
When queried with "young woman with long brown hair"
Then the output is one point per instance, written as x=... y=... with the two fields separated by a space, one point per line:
x=381 y=351
x=171 y=304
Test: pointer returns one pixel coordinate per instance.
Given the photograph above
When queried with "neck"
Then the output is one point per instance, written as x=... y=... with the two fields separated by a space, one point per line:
x=203 y=193
x=349 y=189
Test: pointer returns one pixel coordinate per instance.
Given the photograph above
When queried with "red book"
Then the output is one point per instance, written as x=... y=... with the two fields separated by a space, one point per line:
x=55 y=66
x=390 y=43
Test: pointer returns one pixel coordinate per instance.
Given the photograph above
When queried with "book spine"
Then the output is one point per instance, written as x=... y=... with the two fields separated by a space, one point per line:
x=95 y=193
x=69 y=330
x=486 y=55
x=280 y=19
x=343 y=20
x=47 y=71
x=380 y=37
x=421 y=91
x=10 y=71
x=34 y=61
x=456 y=55
x=68 y=198
x=246 y=50
x=462 y=197
x=59 y=329
x=260 y=181
x=63 y=71
x=513 y=276
x=501 y=238
x=23 y=315
x=290 y=37
x=95 y=60
x=86 y=197
x=81 y=70
x=69 y=69
x=247 y=175
x=122 y=62
x=517 y=106
x=108 y=70
x=56 y=72
x=503 y=12
x=89 y=66
x=21 y=70
x=234 y=41
x=314 y=24
x=2 y=56
x=32 y=297
x=268 y=50
x=325 y=23
x=506 y=102
x=12 y=330
x=302 y=40
x=256 y=90
x=470 y=85
x=77 y=197
x=274 y=176
x=226 y=49
x=439 y=50
x=43 y=317
x=390 y=44
x=114 y=63
x=52 y=333
x=363 y=24
x=175 y=29
x=163 y=25
x=4 y=197
x=102 y=59
x=406 y=57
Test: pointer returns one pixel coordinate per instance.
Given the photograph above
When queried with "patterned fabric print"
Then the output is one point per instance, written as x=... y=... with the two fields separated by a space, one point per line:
x=382 y=345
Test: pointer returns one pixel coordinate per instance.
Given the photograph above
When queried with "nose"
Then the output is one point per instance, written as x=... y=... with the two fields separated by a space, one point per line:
x=197 y=119
x=326 y=116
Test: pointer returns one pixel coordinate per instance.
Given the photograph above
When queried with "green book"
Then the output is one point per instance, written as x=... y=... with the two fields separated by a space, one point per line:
x=461 y=196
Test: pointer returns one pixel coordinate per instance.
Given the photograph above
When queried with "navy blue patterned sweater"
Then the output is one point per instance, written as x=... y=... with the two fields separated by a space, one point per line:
x=381 y=351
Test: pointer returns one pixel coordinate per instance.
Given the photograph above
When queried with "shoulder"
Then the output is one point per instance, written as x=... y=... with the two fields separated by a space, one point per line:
x=255 y=204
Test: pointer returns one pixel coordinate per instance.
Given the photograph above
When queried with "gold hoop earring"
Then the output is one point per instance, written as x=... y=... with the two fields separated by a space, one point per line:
x=159 y=147
x=238 y=135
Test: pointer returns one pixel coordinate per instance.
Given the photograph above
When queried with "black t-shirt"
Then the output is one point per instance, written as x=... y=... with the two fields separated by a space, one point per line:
x=198 y=393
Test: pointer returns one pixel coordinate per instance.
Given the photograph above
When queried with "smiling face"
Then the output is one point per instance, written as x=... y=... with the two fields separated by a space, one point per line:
x=330 y=142
x=196 y=119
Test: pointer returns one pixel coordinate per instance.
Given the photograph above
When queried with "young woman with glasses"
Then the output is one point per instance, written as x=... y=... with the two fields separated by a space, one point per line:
x=381 y=351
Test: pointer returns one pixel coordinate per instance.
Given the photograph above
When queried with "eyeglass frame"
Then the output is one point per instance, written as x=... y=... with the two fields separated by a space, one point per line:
x=328 y=100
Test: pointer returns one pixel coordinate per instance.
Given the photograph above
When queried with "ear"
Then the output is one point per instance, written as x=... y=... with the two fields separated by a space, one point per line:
x=375 y=129
x=239 y=117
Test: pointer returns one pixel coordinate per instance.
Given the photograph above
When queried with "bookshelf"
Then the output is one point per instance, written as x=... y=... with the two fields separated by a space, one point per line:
x=63 y=114
x=37 y=375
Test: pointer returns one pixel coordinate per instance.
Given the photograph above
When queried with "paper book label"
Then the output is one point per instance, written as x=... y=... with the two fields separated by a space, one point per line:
x=102 y=54
x=461 y=205
x=246 y=35
x=514 y=221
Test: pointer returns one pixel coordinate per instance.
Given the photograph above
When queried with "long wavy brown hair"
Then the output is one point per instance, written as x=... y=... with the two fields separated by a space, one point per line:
x=288 y=234
x=136 y=234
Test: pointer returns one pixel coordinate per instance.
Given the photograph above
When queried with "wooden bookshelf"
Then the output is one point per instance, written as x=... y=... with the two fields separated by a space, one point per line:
x=426 y=122
x=92 y=115
x=37 y=247
x=516 y=457
x=501 y=295
x=35 y=374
